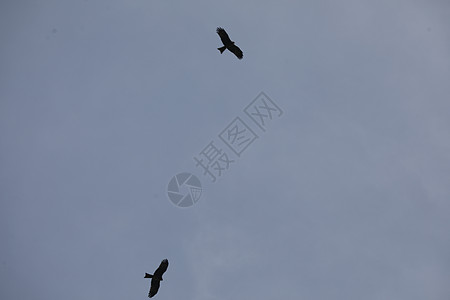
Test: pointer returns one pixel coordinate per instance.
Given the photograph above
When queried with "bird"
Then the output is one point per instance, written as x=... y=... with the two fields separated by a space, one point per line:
x=157 y=277
x=228 y=43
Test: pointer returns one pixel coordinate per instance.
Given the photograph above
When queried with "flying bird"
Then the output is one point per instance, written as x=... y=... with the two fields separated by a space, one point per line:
x=228 y=43
x=157 y=277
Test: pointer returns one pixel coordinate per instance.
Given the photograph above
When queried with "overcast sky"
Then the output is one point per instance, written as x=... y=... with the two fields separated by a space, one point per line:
x=346 y=195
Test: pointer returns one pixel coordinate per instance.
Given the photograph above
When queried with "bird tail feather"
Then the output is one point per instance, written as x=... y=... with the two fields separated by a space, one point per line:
x=221 y=49
x=148 y=275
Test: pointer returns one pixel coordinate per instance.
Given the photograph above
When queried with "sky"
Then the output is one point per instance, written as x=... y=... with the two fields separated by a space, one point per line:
x=345 y=195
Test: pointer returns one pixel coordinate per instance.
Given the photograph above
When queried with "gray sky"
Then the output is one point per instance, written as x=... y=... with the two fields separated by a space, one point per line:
x=345 y=196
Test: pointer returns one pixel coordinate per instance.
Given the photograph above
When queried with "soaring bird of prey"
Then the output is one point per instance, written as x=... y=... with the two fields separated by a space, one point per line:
x=157 y=277
x=228 y=43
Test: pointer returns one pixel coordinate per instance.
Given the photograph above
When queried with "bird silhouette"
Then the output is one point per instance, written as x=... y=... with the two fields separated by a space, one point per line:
x=157 y=277
x=228 y=43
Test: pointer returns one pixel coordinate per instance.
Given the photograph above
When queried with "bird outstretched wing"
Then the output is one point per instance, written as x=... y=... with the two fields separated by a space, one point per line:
x=161 y=269
x=153 y=288
x=224 y=36
x=235 y=49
